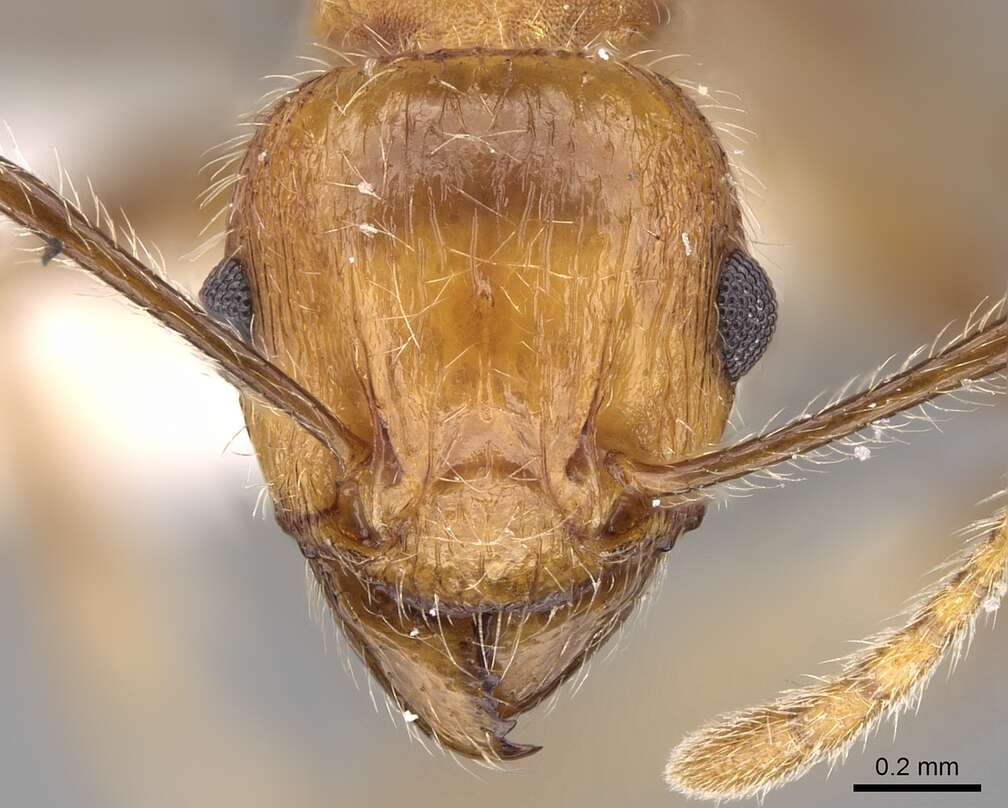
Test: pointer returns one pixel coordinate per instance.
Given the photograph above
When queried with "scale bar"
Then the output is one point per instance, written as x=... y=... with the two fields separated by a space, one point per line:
x=917 y=787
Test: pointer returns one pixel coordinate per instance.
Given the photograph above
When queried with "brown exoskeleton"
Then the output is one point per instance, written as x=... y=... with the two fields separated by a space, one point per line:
x=487 y=296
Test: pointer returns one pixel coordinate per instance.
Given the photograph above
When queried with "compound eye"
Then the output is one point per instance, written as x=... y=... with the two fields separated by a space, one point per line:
x=227 y=297
x=747 y=314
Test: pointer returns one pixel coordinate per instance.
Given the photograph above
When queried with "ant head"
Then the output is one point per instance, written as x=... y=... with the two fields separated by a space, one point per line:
x=394 y=26
x=495 y=268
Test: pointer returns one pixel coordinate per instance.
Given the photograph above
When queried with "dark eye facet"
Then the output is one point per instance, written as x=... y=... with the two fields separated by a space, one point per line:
x=226 y=296
x=747 y=314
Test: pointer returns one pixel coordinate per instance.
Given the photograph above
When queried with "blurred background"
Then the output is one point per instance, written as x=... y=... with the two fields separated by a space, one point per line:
x=156 y=642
